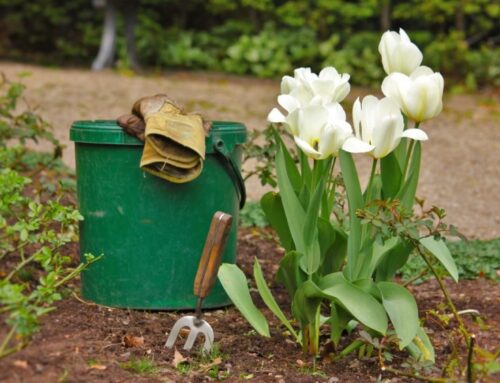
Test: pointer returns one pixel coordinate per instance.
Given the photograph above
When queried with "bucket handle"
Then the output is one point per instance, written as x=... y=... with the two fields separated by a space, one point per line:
x=233 y=171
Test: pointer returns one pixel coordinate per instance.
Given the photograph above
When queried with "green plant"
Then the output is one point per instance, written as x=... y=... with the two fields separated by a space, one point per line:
x=252 y=215
x=35 y=224
x=339 y=271
x=141 y=366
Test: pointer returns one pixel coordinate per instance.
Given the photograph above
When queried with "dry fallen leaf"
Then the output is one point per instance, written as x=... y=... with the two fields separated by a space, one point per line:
x=20 y=363
x=98 y=366
x=208 y=366
x=300 y=363
x=133 y=341
x=178 y=359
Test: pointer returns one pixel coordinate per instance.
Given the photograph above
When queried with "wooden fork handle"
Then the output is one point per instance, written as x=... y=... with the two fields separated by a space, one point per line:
x=212 y=254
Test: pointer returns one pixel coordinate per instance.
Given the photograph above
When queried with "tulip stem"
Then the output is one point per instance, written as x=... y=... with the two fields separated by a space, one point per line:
x=410 y=154
x=368 y=193
x=408 y=159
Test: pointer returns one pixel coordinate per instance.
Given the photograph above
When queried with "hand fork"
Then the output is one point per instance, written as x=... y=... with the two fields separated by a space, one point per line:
x=203 y=283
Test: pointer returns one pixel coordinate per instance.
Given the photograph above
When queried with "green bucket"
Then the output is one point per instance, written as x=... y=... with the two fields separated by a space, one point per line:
x=149 y=231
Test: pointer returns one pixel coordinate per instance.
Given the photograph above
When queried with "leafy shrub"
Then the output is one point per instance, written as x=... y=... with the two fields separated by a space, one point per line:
x=358 y=56
x=271 y=52
x=37 y=221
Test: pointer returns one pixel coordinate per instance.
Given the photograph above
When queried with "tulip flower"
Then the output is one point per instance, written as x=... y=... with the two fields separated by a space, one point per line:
x=379 y=124
x=398 y=53
x=310 y=88
x=420 y=95
x=322 y=130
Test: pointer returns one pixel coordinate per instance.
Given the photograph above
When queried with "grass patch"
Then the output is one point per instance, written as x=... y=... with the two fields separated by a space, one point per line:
x=474 y=259
x=142 y=366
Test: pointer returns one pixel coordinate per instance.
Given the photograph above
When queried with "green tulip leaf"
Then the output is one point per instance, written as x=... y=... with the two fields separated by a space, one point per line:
x=312 y=256
x=391 y=176
x=363 y=306
x=438 y=248
x=295 y=214
x=407 y=193
x=290 y=273
x=402 y=309
x=273 y=209
x=236 y=286
x=268 y=298
x=355 y=200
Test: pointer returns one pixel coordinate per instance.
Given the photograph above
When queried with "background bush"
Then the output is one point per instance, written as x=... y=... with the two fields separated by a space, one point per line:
x=265 y=37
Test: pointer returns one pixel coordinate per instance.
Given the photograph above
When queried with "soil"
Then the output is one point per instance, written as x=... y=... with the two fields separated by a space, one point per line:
x=460 y=160
x=84 y=342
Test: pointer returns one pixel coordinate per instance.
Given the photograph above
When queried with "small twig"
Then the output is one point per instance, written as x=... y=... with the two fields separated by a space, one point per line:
x=470 y=359
x=414 y=376
x=79 y=299
x=420 y=275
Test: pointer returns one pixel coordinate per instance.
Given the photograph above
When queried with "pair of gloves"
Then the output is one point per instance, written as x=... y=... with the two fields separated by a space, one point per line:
x=174 y=142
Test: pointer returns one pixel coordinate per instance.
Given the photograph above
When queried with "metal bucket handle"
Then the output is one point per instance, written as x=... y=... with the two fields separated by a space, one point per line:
x=233 y=171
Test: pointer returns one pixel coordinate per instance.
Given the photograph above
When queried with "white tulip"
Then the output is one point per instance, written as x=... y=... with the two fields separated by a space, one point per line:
x=379 y=124
x=420 y=95
x=398 y=53
x=310 y=88
x=322 y=130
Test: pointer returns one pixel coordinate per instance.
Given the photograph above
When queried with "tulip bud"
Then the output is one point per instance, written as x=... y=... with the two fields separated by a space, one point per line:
x=398 y=53
x=420 y=95
x=379 y=124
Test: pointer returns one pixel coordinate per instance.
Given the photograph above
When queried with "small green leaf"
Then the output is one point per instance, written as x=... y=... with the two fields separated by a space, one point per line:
x=268 y=298
x=421 y=347
x=439 y=249
x=402 y=309
x=235 y=284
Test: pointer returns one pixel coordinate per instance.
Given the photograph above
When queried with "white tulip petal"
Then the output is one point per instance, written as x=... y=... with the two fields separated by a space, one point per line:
x=421 y=71
x=288 y=83
x=356 y=117
x=368 y=117
x=415 y=134
x=329 y=73
x=389 y=126
x=307 y=149
x=336 y=111
x=288 y=102
x=276 y=116
x=314 y=120
x=355 y=145
x=404 y=36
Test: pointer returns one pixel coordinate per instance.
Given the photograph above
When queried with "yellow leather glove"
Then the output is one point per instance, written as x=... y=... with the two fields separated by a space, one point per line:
x=174 y=143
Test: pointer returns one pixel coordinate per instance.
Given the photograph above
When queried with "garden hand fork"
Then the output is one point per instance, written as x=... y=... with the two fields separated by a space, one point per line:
x=203 y=283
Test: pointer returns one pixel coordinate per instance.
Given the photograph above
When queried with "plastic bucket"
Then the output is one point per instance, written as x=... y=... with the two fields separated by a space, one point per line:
x=150 y=231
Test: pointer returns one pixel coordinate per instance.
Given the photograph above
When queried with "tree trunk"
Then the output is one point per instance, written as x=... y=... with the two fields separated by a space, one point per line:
x=106 y=54
x=385 y=15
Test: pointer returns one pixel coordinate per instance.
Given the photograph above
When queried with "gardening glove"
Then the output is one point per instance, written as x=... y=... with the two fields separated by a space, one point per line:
x=174 y=143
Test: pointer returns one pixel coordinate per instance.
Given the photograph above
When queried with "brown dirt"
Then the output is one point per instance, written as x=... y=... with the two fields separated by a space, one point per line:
x=83 y=342
x=461 y=160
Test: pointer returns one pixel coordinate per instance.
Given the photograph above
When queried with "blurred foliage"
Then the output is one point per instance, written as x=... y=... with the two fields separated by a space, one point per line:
x=265 y=38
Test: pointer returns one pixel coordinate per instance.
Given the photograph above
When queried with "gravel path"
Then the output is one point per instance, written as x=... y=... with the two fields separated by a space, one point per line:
x=461 y=160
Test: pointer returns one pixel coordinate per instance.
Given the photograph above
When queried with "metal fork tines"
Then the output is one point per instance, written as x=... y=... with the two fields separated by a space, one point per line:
x=196 y=326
